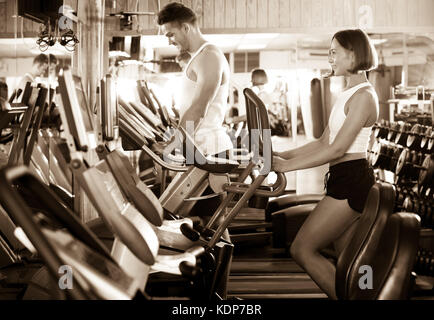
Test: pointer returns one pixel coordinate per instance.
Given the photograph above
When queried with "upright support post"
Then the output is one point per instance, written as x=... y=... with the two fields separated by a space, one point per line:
x=88 y=63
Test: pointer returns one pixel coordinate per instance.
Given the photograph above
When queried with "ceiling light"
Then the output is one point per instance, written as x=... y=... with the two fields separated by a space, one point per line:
x=118 y=54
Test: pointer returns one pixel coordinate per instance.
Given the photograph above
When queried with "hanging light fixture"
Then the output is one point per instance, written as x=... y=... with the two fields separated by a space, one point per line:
x=48 y=36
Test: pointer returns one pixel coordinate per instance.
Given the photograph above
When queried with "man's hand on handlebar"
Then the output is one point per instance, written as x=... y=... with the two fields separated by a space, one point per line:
x=169 y=146
x=158 y=147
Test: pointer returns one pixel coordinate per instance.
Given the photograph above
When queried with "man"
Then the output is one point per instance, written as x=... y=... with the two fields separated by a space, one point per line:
x=205 y=82
x=39 y=68
x=259 y=80
x=182 y=59
x=52 y=71
x=204 y=91
x=3 y=88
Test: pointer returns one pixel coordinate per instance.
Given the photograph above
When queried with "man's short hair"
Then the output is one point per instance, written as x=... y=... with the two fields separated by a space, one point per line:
x=52 y=58
x=357 y=40
x=178 y=13
x=259 y=77
x=40 y=59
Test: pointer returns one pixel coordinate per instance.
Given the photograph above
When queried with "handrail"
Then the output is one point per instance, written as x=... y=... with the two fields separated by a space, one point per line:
x=278 y=187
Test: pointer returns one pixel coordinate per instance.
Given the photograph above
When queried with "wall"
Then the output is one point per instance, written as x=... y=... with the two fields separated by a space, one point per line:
x=9 y=24
x=13 y=67
x=240 y=16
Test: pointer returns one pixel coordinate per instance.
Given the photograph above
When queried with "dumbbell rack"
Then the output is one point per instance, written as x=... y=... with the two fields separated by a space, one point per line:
x=402 y=154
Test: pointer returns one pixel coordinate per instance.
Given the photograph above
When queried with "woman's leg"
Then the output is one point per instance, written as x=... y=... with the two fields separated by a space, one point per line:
x=345 y=238
x=327 y=222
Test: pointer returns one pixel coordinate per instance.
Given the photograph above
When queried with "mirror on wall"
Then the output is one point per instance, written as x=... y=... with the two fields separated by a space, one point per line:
x=17 y=55
x=291 y=61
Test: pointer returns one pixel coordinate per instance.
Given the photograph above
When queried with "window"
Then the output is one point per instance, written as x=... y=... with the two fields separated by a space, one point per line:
x=246 y=61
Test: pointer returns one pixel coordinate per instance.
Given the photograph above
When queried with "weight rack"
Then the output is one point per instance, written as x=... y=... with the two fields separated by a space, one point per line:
x=402 y=154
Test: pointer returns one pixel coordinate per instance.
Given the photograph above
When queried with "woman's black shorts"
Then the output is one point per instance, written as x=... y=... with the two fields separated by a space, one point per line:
x=350 y=180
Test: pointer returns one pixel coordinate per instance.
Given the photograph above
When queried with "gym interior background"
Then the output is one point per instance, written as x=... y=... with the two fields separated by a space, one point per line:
x=119 y=39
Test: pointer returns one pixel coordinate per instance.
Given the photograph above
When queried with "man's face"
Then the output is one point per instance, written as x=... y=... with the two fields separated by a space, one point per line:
x=52 y=69
x=177 y=35
x=42 y=69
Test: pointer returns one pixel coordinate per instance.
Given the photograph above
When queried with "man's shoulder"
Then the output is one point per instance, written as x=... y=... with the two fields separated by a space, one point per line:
x=210 y=55
x=211 y=50
x=28 y=76
x=212 y=46
x=23 y=81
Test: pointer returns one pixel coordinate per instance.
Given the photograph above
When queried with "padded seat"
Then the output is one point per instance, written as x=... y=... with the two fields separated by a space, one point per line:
x=287 y=222
x=391 y=255
x=396 y=255
x=376 y=246
x=292 y=200
x=378 y=208
x=293 y=219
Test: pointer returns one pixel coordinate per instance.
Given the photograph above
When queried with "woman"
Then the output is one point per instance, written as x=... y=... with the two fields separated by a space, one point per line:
x=343 y=145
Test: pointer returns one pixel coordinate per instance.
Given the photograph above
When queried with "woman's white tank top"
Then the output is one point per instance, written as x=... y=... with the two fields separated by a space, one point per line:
x=337 y=119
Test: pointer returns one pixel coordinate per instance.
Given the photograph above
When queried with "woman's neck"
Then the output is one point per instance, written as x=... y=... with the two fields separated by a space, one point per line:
x=355 y=79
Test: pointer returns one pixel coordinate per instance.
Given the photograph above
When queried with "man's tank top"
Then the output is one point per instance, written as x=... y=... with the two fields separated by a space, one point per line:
x=211 y=136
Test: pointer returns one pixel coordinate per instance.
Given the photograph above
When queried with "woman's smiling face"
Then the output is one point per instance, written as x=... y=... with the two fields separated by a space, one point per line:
x=341 y=60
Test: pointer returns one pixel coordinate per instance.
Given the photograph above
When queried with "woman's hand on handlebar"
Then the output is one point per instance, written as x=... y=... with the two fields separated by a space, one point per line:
x=279 y=154
x=286 y=155
x=279 y=164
